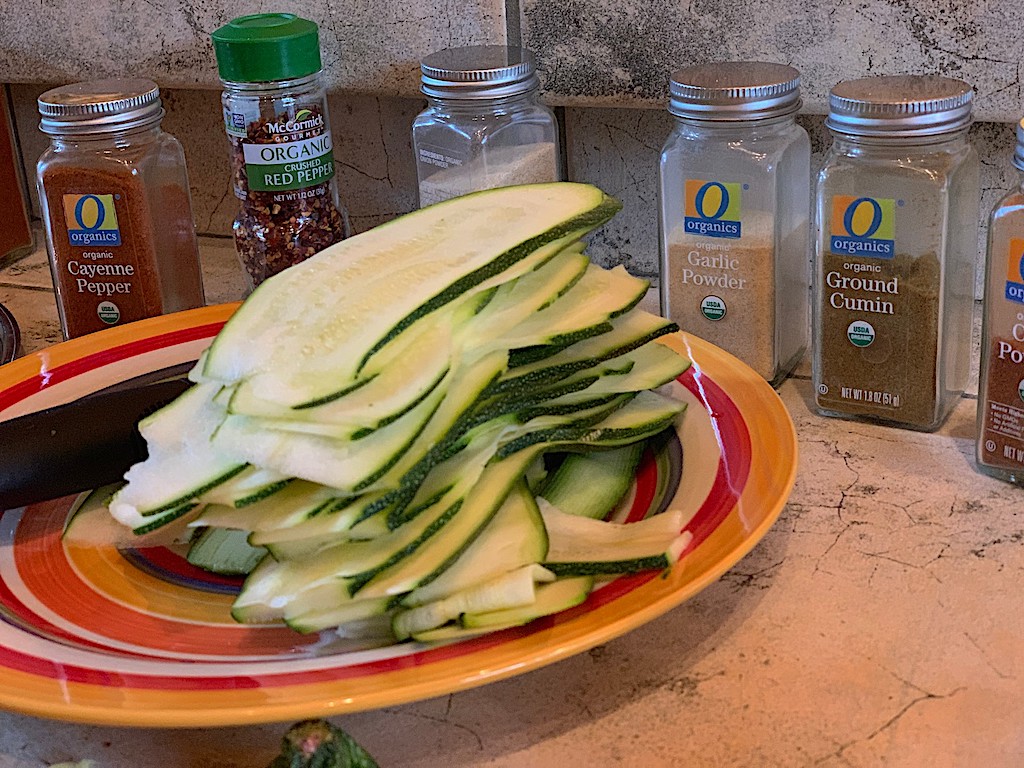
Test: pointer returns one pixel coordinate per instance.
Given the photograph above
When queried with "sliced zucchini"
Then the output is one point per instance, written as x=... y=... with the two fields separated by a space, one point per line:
x=513 y=589
x=90 y=524
x=628 y=332
x=390 y=390
x=224 y=551
x=645 y=415
x=341 y=464
x=583 y=546
x=300 y=500
x=346 y=307
x=247 y=487
x=598 y=297
x=183 y=463
x=520 y=299
x=592 y=484
x=515 y=537
x=447 y=544
x=551 y=598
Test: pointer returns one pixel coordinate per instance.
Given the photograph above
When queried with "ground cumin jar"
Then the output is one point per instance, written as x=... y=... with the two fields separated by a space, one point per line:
x=1000 y=444
x=897 y=228
x=735 y=200
x=116 y=206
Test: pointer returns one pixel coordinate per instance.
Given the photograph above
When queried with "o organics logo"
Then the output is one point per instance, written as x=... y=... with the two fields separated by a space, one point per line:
x=712 y=208
x=1015 y=271
x=863 y=226
x=91 y=220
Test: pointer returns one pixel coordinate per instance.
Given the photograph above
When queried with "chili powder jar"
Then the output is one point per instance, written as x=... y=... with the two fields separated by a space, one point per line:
x=735 y=191
x=1000 y=444
x=282 y=157
x=897 y=229
x=116 y=206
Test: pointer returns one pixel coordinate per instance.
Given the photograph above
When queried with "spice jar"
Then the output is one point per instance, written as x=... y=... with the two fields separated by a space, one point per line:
x=484 y=126
x=116 y=206
x=1000 y=444
x=735 y=199
x=897 y=219
x=282 y=157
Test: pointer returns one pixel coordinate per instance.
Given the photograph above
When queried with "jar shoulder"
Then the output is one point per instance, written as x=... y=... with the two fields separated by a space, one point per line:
x=897 y=161
x=757 y=146
x=132 y=161
x=1009 y=207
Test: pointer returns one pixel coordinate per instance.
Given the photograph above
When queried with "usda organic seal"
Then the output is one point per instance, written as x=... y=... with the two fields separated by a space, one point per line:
x=108 y=312
x=860 y=333
x=712 y=307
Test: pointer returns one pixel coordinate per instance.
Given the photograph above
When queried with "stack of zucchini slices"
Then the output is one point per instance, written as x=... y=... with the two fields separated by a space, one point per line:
x=373 y=435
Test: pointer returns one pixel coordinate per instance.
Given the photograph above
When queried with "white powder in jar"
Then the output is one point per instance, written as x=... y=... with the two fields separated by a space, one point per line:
x=500 y=167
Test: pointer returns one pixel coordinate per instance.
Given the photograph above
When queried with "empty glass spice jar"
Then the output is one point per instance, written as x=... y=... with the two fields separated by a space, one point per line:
x=1000 y=444
x=282 y=155
x=735 y=200
x=116 y=206
x=484 y=125
x=897 y=226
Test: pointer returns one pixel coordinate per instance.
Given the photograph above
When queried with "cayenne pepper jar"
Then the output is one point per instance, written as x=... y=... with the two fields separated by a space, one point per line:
x=116 y=206
x=275 y=115
x=1000 y=444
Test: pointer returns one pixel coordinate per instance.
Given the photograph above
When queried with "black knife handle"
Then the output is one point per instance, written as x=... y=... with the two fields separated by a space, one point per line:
x=77 y=446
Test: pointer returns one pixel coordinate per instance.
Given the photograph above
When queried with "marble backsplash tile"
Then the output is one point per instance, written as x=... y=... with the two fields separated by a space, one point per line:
x=610 y=53
x=366 y=46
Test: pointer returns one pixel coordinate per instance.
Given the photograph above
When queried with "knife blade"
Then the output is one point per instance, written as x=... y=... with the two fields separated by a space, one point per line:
x=79 y=445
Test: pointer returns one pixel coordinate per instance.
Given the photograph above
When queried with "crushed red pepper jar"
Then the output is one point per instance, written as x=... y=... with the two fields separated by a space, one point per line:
x=282 y=159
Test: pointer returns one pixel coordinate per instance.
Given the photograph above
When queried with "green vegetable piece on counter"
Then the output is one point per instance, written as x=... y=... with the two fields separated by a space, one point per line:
x=318 y=744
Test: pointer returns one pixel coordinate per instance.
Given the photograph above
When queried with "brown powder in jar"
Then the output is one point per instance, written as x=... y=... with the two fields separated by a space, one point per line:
x=743 y=278
x=894 y=377
x=1002 y=407
x=136 y=291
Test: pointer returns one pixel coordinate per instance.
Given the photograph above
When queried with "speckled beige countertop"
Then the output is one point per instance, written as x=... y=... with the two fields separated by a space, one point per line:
x=880 y=622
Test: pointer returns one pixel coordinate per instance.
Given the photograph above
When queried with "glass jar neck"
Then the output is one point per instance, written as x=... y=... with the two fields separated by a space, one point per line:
x=735 y=127
x=275 y=87
x=891 y=146
x=115 y=140
x=456 y=106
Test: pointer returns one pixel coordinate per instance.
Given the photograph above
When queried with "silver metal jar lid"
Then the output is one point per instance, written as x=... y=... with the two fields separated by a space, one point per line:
x=734 y=90
x=900 y=106
x=99 y=107
x=478 y=72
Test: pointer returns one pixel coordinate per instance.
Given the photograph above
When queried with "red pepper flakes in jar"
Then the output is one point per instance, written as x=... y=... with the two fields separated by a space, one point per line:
x=282 y=160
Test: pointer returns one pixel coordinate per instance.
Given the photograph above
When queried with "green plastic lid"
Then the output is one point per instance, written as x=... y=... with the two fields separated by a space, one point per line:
x=265 y=47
